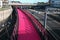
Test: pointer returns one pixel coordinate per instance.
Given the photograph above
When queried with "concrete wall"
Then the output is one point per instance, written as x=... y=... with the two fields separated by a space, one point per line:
x=5 y=14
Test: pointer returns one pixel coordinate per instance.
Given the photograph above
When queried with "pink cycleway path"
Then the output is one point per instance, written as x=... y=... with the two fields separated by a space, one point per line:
x=26 y=30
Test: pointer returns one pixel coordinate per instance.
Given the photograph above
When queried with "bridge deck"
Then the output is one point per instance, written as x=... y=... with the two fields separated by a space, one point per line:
x=26 y=30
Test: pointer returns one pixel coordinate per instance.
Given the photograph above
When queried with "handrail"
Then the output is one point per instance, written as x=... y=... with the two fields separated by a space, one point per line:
x=14 y=33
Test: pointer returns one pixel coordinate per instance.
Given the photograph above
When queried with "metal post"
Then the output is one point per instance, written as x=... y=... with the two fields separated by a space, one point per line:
x=45 y=19
x=21 y=7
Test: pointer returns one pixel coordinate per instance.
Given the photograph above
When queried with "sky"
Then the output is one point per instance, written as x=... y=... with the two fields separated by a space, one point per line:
x=31 y=1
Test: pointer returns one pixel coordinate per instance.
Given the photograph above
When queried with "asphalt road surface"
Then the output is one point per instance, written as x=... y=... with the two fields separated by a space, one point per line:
x=52 y=25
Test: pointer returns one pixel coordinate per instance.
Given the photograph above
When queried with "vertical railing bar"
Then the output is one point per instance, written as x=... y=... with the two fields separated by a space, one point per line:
x=45 y=20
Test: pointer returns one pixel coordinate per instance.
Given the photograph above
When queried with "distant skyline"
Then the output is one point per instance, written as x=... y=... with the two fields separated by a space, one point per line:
x=31 y=1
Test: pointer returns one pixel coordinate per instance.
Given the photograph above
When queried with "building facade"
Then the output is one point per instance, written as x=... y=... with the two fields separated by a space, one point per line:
x=0 y=4
x=54 y=3
x=4 y=2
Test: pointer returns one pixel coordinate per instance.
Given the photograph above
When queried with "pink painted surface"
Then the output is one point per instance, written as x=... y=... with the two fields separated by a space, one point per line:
x=26 y=30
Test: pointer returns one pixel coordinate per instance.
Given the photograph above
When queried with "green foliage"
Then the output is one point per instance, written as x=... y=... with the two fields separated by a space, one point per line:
x=41 y=3
x=4 y=8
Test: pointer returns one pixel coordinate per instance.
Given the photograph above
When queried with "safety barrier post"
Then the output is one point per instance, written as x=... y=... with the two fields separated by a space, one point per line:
x=45 y=20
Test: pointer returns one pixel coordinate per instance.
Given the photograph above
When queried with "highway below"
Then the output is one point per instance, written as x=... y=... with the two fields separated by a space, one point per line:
x=52 y=25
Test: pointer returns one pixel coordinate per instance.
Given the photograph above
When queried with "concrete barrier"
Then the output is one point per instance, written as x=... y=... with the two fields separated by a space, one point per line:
x=5 y=14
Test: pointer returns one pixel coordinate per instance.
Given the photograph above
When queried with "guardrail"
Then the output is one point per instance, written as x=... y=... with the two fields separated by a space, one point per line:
x=14 y=34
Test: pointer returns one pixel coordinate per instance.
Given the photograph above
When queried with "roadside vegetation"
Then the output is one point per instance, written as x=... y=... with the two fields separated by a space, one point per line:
x=4 y=8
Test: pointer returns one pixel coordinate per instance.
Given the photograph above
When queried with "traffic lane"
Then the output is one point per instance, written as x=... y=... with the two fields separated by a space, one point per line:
x=50 y=23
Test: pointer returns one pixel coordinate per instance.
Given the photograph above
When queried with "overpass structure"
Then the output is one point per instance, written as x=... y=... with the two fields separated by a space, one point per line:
x=21 y=4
